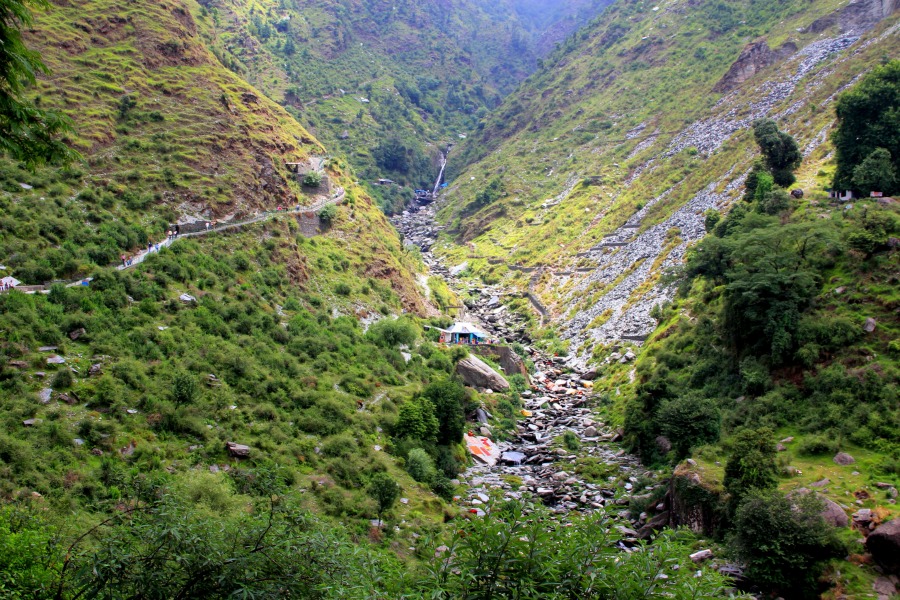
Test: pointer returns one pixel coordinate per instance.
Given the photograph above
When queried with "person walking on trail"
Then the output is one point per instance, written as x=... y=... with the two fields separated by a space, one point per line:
x=207 y=225
x=149 y=245
x=124 y=261
x=177 y=230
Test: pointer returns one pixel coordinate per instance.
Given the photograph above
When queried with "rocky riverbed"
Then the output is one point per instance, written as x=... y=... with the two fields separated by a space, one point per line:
x=589 y=473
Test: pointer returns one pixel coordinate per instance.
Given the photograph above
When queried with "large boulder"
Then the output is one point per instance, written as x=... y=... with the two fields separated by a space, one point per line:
x=843 y=459
x=884 y=545
x=476 y=373
x=831 y=510
x=237 y=450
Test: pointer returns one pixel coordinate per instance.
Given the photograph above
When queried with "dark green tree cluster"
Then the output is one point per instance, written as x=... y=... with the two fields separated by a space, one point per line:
x=428 y=431
x=27 y=133
x=867 y=138
x=781 y=155
x=170 y=547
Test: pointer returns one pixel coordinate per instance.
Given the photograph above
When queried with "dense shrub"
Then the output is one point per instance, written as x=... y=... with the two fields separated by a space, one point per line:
x=420 y=466
x=783 y=541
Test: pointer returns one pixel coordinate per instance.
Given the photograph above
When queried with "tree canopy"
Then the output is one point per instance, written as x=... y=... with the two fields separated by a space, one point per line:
x=780 y=151
x=27 y=133
x=867 y=137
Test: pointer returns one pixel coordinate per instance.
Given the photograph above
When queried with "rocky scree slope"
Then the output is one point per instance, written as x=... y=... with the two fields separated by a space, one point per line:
x=607 y=158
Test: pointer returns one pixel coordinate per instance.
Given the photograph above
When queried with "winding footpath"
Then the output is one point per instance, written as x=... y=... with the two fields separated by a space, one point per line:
x=137 y=258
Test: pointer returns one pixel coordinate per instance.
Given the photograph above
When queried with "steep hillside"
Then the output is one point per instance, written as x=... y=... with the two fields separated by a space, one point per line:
x=746 y=339
x=168 y=135
x=599 y=168
x=255 y=332
x=388 y=88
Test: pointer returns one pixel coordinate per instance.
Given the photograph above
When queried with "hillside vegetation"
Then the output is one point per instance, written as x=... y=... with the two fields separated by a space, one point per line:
x=629 y=172
x=388 y=88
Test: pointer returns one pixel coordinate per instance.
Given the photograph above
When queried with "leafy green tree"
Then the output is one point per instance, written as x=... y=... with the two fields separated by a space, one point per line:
x=783 y=542
x=420 y=466
x=392 y=154
x=711 y=218
x=390 y=333
x=875 y=173
x=448 y=396
x=170 y=548
x=518 y=550
x=868 y=118
x=490 y=194
x=184 y=388
x=689 y=421
x=780 y=151
x=416 y=420
x=752 y=180
x=27 y=133
x=751 y=465
x=385 y=491
x=312 y=179
x=328 y=214
x=775 y=202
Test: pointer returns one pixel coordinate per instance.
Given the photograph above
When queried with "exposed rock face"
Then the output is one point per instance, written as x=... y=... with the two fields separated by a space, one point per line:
x=695 y=504
x=510 y=362
x=831 y=511
x=476 y=373
x=237 y=450
x=884 y=544
x=857 y=17
x=754 y=58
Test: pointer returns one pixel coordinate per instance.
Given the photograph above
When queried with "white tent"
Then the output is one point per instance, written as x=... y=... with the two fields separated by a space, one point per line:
x=462 y=332
x=9 y=282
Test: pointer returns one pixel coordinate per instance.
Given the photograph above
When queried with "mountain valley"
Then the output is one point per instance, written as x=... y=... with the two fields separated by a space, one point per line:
x=641 y=342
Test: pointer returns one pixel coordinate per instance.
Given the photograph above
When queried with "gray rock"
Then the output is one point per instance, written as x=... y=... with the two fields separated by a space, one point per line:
x=833 y=513
x=701 y=555
x=237 y=450
x=477 y=373
x=663 y=444
x=884 y=545
x=885 y=588
x=870 y=325
x=590 y=431
x=843 y=459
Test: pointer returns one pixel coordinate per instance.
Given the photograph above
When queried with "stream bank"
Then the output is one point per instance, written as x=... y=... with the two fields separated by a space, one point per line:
x=589 y=472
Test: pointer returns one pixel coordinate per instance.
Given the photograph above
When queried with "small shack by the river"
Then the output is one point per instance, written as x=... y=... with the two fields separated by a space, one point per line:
x=463 y=333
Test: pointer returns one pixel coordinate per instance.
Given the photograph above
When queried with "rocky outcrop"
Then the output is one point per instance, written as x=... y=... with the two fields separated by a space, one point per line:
x=855 y=18
x=509 y=361
x=236 y=450
x=754 y=58
x=476 y=373
x=695 y=503
x=884 y=545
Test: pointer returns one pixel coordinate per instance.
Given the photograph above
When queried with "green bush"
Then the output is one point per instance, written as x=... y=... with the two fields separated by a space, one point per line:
x=312 y=179
x=390 y=333
x=420 y=466
x=784 y=542
x=817 y=445
x=689 y=421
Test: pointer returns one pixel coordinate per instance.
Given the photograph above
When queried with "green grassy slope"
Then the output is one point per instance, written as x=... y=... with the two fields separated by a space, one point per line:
x=617 y=103
x=167 y=131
